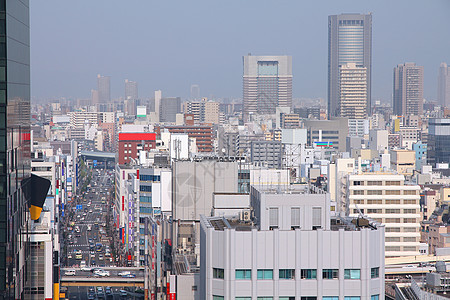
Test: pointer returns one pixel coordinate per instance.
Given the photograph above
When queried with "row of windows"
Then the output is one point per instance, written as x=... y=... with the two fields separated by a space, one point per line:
x=145 y=188
x=386 y=192
x=397 y=239
x=398 y=248
x=150 y=177
x=373 y=297
x=376 y=182
x=385 y=201
x=387 y=211
x=267 y=274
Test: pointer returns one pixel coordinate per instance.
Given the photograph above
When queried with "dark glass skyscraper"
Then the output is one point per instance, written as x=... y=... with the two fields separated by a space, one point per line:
x=438 y=141
x=14 y=148
x=349 y=41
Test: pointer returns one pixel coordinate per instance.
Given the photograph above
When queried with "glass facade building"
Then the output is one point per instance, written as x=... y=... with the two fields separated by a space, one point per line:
x=438 y=141
x=349 y=42
x=14 y=148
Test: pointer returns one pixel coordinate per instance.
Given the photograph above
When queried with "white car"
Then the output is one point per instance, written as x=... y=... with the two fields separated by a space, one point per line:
x=85 y=269
x=102 y=273
x=123 y=273
x=69 y=273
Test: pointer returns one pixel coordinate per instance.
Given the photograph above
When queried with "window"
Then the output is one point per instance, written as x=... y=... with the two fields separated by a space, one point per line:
x=358 y=182
x=330 y=298
x=392 y=229
x=392 y=182
x=273 y=217
x=295 y=216
x=145 y=188
x=352 y=298
x=217 y=297
x=265 y=298
x=330 y=273
x=265 y=274
x=243 y=274
x=409 y=211
x=309 y=298
x=308 y=274
x=375 y=272
x=409 y=220
x=374 y=211
x=392 y=248
x=317 y=217
x=392 y=220
x=374 y=183
x=392 y=201
x=352 y=274
x=287 y=298
x=287 y=274
x=408 y=201
x=409 y=192
x=375 y=201
x=218 y=273
x=409 y=229
x=358 y=192
x=375 y=297
x=409 y=239
x=392 y=211
x=374 y=192
x=243 y=298
x=409 y=248
x=392 y=239
x=395 y=192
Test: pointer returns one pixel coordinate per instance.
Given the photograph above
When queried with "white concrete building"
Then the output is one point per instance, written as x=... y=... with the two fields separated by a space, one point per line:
x=386 y=198
x=292 y=249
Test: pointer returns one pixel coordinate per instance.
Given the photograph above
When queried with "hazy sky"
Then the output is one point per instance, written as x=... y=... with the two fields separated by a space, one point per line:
x=170 y=45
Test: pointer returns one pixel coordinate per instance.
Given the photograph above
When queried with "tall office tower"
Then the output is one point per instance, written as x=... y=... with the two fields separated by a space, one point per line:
x=408 y=90
x=103 y=88
x=169 y=108
x=349 y=41
x=195 y=92
x=15 y=248
x=353 y=91
x=444 y=85
x=131 y=90
x=267 y=83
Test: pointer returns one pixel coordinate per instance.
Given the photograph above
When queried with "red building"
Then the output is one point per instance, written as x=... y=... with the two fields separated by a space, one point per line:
x=203 y=135
x=131 y=143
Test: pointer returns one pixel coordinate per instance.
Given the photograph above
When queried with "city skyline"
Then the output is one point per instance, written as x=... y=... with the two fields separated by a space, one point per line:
x=293 y=36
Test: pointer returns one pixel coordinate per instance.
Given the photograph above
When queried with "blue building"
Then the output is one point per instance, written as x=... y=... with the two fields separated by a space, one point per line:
x=421 y=154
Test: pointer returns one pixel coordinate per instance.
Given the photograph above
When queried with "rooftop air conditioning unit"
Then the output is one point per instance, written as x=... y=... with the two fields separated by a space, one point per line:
x=246 y=215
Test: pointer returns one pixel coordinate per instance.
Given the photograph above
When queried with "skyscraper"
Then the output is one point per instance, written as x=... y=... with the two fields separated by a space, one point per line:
x=349 y=41
x=195 y=92
x=15 y=250
x=408 y=90
x=444 y=85
x=131 y=90
x=267 y=83
x=353 y=91
x=103 y=88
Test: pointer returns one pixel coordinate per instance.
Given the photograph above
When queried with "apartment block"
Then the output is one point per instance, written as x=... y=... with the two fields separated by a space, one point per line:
x=386 y=198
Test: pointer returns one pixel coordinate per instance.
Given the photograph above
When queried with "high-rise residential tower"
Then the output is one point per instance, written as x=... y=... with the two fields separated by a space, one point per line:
x=408 y=90
x=267 y=83
x=195 y=92
x=131 y=90
x=103 y=88
x=349 y=41
x=444 y=85
x=353 y=91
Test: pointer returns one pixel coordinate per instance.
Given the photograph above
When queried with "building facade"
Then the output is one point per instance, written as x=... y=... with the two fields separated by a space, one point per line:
x=444 y=85
x=131 y=90
x=438 y=141
x=267 y=83
x=104 y=89
x=353 y=91
x=387 y=199
x=349 y=41
x=408 y=90
x=290 y=249
x=131 y=143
